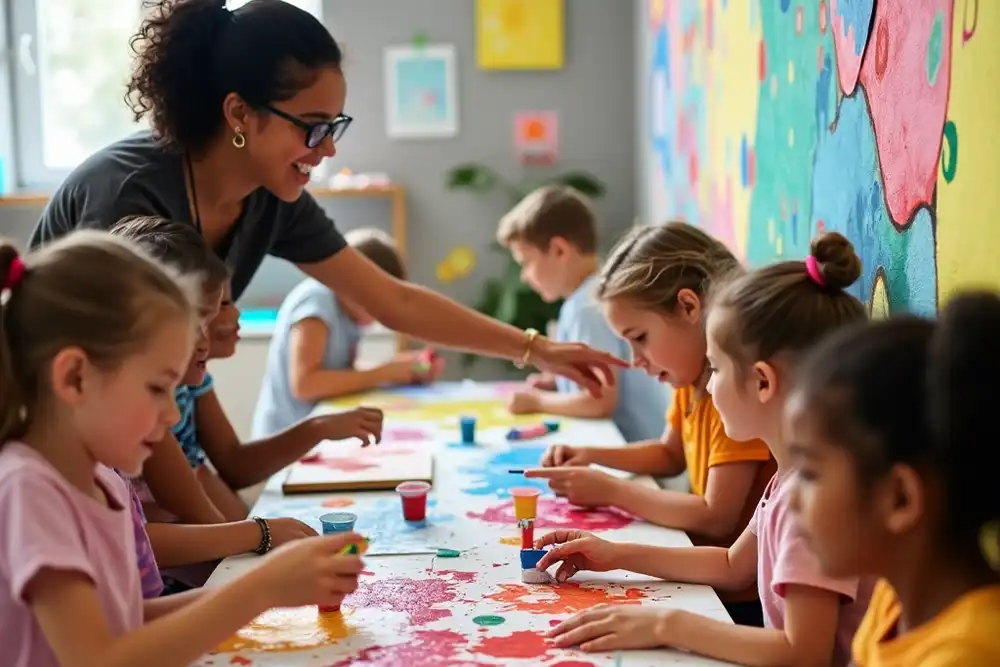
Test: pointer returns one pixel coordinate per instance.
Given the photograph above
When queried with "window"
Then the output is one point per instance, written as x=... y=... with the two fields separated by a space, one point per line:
x=73 y=61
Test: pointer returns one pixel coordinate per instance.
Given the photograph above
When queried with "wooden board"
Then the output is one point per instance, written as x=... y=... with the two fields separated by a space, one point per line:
x=336 y=466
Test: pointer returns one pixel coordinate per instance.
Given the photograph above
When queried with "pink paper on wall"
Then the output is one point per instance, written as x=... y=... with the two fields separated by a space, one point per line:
x=536 y=137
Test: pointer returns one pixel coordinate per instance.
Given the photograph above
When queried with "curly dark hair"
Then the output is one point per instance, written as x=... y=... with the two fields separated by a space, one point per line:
x=191 y=54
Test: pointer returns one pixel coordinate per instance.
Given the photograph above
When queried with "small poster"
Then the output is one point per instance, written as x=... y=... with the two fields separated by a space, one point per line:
x=421 y=96
x=536 y=137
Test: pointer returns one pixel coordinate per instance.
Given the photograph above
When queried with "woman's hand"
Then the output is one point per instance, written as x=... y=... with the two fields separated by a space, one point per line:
x=310 y=571
x=588 y=368
x=577 y=550
x=362 y=423
x=609 y=628
x=287 y=530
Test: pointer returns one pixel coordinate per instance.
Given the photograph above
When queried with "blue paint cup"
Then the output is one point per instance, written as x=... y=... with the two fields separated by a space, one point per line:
x=530 y=558
x=468 y=426
x=338 y=522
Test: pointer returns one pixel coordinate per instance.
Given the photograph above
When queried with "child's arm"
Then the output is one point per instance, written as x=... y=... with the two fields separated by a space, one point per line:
x=154 y=608
x=242 y=465
x=309 y=381
x=176 y=544
x=662 y=458
x=576 y=404
x=174 y=485
x=734 y=568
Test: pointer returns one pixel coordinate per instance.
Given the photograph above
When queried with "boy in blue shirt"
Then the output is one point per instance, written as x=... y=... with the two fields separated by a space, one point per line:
x=552 y=234
x=315 y=341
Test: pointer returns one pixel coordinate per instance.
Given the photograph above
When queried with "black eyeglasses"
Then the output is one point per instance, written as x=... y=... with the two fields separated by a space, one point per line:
x=316 y=132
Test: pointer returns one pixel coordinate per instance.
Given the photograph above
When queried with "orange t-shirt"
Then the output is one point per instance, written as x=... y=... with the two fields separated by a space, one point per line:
x=706 y=445
x=964 y=634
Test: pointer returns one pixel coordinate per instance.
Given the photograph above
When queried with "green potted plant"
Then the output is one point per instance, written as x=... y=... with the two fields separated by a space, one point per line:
x=506 y=297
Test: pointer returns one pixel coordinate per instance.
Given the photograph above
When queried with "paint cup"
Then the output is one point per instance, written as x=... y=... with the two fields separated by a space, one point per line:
x=468 y=426
x=530 y=558
x=338 y=522
x=414 y=497
x=525 y=502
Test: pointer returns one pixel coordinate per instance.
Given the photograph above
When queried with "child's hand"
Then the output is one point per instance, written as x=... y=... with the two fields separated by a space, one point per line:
x=581 y=486
x=565 y=455
x=311 y=571
x=288 y=530
x=577 y=550
x=362 y=423
x=541 y=382
x=608 y=628
x=523 y=403
x=402 y=369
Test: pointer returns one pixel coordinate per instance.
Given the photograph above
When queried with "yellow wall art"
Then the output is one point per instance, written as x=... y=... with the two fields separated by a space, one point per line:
x=520 y=34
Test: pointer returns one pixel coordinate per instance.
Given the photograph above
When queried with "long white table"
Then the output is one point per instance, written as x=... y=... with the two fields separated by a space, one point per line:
x=412 y=611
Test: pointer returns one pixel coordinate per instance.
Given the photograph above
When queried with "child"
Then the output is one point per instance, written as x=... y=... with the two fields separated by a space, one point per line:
x=809 y=617
x=203 y=431
x=653 y=288
x=892 y=425
x=95 y=336
x=315 y=342
x=552 y=234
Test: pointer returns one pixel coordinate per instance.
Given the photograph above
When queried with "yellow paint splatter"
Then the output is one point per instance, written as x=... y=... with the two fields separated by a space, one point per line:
x=488 y=413
x=512 y=541
x=458 y=263
x=880 y=298
x=293 y=629
x=791 y=137
x=791 y=72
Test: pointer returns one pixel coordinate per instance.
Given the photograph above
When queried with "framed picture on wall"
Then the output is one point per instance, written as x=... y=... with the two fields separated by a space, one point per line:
x=421 y=93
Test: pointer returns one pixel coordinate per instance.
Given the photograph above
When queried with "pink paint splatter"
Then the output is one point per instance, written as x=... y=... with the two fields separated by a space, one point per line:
x=845 y=47
x=427 y=648
x=572 y=663
x=367 y=573
x=521 y=644
x=405 y=434
x=413 y=597
x=497 y=564
x=557 y=513
x=341 y=463
x=240 y=660
x=464 y=577
x=908 y=109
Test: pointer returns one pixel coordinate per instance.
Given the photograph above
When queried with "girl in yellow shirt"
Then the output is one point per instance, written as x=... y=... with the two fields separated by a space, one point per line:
x=897 y=468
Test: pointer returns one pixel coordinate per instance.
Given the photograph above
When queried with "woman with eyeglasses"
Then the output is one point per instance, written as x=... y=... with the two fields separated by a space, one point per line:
x=243 y=105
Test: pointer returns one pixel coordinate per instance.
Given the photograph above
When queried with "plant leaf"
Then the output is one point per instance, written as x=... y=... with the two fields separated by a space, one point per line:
x=583 y=183
x=471 y=176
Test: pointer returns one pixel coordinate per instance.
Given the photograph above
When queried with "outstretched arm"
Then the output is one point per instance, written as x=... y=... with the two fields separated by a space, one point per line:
x=174 y=486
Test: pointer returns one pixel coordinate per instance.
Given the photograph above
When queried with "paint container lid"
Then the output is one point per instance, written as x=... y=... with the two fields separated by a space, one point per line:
x=530 y=558
x=551 y=424
x=412 y=489
x=467 y=420
x=339 y=520
x=525 y=492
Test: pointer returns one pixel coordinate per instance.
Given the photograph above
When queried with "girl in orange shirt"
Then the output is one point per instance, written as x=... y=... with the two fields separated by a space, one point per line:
x=894 y=425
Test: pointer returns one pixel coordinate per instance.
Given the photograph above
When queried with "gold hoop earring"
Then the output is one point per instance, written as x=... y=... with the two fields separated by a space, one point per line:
x=239 y=139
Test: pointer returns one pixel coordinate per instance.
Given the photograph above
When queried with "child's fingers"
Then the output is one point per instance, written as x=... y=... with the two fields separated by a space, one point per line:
x=566 y=570
x=337 y=542
x=570 y=624
x=589 y=630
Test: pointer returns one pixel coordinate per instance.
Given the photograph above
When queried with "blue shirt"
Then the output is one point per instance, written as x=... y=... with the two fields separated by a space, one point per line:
x=277 y=408
x=185 y=430
x=642 y=400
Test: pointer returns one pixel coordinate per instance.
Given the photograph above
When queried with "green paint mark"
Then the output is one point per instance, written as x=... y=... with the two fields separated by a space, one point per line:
x=488 y=620
x=934 y=42
x=949 y=152
x=448 y=553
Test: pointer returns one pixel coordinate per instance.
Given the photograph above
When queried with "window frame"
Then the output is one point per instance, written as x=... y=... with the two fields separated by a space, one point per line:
x=26 y=126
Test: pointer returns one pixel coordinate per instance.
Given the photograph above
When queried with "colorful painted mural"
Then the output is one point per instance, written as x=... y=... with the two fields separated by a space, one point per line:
x=771 y=120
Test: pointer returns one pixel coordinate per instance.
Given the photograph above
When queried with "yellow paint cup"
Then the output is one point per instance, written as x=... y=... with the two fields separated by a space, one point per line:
x=525 y=502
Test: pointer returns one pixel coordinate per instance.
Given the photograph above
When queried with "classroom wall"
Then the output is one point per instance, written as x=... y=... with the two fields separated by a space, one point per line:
x=768 y=121
x=593 y=94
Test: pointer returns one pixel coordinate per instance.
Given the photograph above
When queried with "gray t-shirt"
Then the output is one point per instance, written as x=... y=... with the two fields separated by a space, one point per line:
x=135 y=176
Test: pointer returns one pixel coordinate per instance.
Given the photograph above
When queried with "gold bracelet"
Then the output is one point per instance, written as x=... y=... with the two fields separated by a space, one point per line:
x=532 y=335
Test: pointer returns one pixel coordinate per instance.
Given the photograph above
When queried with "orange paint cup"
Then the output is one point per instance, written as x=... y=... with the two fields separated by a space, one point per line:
x=525 y=502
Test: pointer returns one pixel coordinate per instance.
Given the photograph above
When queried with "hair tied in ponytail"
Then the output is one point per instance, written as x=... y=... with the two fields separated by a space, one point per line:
x=812 y=269
x=15 y=273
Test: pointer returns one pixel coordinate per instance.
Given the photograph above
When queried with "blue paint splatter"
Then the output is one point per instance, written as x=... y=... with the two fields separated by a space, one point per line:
x=493 y=478
x=744 y=165
x=382 y=523
x=848 y=197
x=823 y=101
x=785 y=4
x=857 y=14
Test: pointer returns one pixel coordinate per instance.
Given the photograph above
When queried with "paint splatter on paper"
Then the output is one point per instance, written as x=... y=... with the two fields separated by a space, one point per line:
x=417 y=598
x=425 y=648
x=337 y=502
x=558 y=513
x=564 y=598
x=521 y=644
x=493 y=478
x=288 y=629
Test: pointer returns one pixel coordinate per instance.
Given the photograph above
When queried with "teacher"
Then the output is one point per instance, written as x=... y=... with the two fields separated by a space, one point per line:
x=243 y=105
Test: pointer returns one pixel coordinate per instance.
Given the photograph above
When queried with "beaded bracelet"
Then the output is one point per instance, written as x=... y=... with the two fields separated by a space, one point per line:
x=265 y=536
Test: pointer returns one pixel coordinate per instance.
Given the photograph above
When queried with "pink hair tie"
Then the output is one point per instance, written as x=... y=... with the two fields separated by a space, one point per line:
x=14 y=273
x=812 y=268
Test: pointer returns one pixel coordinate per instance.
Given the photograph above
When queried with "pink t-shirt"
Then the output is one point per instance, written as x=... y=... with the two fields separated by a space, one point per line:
x=784 y=558
x=47 y=523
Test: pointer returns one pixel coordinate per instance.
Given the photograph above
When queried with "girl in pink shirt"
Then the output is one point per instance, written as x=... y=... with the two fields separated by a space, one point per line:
x=758 y=327
x=94 y=336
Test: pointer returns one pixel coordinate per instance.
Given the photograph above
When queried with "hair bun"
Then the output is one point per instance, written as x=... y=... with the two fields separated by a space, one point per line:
x=839 y=266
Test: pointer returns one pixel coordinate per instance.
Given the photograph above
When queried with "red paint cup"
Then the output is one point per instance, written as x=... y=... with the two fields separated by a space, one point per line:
x=326 y=608
x=414 y=497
